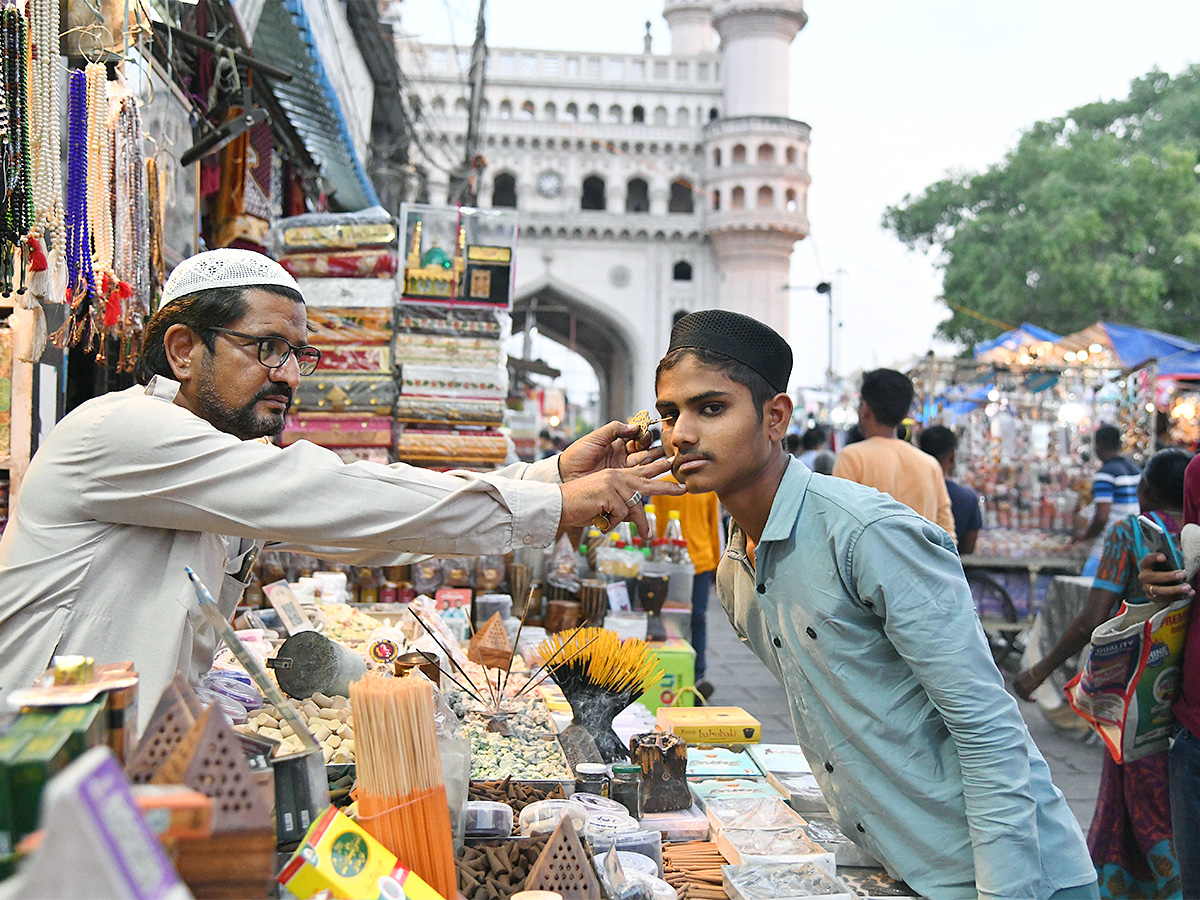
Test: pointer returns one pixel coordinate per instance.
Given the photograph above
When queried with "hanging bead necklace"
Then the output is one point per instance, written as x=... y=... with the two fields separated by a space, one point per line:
x=132 y=225
x=45 y=128
x=16 y=204
x=78 y=330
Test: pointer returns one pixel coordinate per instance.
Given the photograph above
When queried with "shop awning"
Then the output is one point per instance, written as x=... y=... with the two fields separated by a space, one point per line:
x=1181 y=366
x=1129 y=345
x=284 y=37
x=1027 y=338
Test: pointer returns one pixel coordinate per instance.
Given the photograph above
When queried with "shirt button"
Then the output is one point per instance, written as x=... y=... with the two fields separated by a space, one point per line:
x=777 y=642
x=858 y=825
x=829 y=767
x=810 y=632
x=762 y=588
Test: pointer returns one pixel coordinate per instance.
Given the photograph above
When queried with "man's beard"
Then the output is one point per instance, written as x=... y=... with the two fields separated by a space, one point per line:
x=242 y=422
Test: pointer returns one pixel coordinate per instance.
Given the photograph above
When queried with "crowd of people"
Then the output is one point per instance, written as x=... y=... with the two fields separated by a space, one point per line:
x=841 y=572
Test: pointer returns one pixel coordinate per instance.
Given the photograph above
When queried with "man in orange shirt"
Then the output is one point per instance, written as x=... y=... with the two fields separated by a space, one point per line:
x=700 y=516
x=885 y=462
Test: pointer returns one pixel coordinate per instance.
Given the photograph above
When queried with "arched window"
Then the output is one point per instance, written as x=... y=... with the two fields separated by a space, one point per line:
x=572 y=112
x=739 y=153
x=716 y=195
x=717 y=158
x=713 y=114
x=460 y=106
x=593 y=193
x=528 y=111
x=615 y=114
x=681 y=116
x=438 y=105
x=738 y=199
x=637 y=196
x=791 y=156
x=682 y=271
x=550 y=111
x=766 y=154
x=506 y=109
x=638 y=114
x=504 y=191
x=790 y=202
x=766 y=197
x=593 y=113
x=660 y=115
x=681 y=197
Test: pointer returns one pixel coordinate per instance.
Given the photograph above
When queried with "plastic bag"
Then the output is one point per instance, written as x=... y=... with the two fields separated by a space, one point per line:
x=1131 y=675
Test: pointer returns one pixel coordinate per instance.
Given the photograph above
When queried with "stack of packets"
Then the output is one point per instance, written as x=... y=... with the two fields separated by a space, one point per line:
x=346 y=405
x=337 y=245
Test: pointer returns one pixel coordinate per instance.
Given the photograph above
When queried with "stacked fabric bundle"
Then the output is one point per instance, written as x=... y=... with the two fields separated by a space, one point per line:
x=337 y=245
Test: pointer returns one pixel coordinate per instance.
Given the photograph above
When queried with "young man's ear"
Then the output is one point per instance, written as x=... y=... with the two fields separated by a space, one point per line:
x=777 y=415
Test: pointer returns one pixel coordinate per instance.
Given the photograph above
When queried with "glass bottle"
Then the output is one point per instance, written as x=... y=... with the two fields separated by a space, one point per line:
x=591 y=778
x=626 y=788
x=673 y=534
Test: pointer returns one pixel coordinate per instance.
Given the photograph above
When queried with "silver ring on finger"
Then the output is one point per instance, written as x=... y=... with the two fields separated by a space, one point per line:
x=634 y=500
x=1150 y=590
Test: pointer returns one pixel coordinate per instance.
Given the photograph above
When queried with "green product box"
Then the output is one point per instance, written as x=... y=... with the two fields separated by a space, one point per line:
x=12 y=742
x=677 y=659
x=33 y=721
x=87 y=723
x=40 y=760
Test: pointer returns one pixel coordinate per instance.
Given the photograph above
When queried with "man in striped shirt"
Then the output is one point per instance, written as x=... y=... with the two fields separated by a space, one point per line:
x=1114 y=492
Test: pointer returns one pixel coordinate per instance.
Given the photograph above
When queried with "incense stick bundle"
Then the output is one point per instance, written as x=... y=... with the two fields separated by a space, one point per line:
x=401 y=797
x=600 y=674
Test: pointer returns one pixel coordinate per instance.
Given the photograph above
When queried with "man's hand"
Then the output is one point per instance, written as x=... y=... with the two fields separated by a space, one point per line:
x=1162 y=584
x=608 y=447
x=609 y=491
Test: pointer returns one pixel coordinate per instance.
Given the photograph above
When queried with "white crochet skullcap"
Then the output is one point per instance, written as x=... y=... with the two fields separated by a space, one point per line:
x=226 y=267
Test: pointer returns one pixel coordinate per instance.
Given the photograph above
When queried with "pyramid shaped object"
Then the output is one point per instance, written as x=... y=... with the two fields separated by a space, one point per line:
x=564 y=867
x=210 y=759
x=176 y=713
x=490 y=645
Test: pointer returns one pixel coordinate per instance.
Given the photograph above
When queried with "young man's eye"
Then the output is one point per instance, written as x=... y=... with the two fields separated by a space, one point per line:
x=712 y=409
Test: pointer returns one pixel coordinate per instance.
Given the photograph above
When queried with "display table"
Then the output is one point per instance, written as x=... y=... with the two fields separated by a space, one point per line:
x=1005 y=617
x=1064 y=601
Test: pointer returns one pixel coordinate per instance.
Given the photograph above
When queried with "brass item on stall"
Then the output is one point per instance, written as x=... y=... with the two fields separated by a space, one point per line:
x=418 y=660
x=643 y=422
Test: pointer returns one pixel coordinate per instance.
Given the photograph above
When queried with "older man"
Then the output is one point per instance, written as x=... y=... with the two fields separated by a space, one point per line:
x=133 y=486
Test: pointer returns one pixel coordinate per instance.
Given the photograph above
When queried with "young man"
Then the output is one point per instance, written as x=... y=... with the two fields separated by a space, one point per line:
x=942 y=444
x=1114 y=493
x=885 y=462
x=134 y=485
x=860 y=608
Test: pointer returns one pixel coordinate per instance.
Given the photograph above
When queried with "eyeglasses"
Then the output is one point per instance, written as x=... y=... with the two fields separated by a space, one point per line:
x=273 y=352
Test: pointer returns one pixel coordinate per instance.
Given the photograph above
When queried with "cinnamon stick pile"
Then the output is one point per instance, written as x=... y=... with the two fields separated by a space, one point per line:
x=693 y=868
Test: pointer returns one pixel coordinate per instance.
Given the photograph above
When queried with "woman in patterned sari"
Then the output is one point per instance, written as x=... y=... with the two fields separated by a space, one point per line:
x=1130 y=835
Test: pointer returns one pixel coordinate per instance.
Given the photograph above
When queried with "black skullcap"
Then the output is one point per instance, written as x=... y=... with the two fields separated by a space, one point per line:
x=739 y=337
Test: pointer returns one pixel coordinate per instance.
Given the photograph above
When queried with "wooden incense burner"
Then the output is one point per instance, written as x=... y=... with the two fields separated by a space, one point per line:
x=663 y=758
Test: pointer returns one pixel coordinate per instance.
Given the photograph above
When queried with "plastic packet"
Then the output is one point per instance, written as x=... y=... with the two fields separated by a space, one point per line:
x=489 y=572
x=563 y=571
x=458 y=571
x=427 y=576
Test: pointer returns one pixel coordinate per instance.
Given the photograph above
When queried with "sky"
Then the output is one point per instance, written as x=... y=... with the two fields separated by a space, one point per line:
x=898 y=95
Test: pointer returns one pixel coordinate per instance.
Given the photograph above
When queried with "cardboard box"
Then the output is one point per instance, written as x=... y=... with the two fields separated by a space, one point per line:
x=711 y=724
x=12 y=742
x=677 y=659
x=174 y=811
x=339 y=856
x=43 y=757
x=87 y=723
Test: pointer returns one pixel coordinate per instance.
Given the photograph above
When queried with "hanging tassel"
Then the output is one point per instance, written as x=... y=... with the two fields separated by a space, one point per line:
x=31 y=351
x=58 y=268
x=40 y=279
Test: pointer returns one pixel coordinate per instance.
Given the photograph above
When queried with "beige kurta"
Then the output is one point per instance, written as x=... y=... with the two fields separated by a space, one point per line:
x=129 y=488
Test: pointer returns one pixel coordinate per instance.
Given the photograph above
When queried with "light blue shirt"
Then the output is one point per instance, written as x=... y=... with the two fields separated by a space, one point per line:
x=860 y=608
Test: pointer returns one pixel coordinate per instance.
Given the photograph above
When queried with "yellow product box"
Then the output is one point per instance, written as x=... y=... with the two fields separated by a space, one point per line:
x=710 y=724
x=339 y=856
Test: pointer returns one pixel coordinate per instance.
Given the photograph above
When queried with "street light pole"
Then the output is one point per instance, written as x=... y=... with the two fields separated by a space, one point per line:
x=826 y=288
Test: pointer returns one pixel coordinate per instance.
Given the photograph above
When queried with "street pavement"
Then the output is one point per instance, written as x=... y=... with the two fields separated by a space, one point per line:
x=740 y=679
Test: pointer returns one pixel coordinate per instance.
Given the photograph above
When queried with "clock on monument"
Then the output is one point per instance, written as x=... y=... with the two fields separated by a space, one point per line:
x=549 y=184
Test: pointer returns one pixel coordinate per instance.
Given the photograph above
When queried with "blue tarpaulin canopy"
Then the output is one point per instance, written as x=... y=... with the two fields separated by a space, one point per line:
x=1026 y=335
x=1131 y=346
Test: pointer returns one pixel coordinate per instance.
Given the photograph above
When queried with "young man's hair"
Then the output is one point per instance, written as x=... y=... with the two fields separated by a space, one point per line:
x=202 y=312
x=888 y=393
x=792 y=443
x=739 y=373
x=814 y=438
x=1108 y=437
x=1164 y=475
x=938 y=441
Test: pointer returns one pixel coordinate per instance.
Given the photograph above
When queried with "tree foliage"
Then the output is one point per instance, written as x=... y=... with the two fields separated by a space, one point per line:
x=1092 y=216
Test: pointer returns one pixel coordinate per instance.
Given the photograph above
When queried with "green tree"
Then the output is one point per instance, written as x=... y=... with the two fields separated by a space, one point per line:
x=1092 y=216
